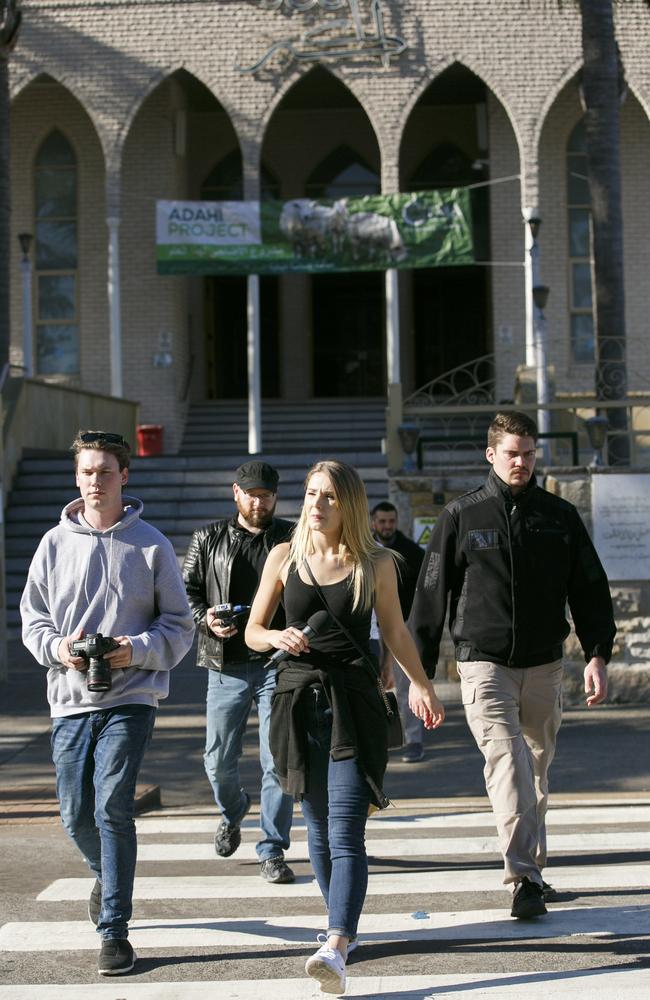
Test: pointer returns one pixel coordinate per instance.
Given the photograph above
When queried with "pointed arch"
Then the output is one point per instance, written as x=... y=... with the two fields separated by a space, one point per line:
x=550 y=98
x=45 y=77
x=157 y=79
x=430 y=77
x=320 y=153
x=298 y=77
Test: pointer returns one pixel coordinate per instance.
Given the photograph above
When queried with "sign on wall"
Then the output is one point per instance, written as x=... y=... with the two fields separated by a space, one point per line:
x=422 y=529
x=371 y=233
x=621 y=519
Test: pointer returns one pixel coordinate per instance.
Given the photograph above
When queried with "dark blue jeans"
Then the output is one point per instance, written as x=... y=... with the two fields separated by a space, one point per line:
x=335 y=810
x=97 y=756
x=231 y=693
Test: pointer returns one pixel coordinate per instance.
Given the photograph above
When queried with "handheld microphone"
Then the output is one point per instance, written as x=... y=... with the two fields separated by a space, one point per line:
x=317 y=623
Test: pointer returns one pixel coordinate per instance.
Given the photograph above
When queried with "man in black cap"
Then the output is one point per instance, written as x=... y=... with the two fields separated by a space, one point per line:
x=223 y=566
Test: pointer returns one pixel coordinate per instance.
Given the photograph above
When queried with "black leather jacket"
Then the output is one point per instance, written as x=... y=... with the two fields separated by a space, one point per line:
x=508 y=565
x=206 y=571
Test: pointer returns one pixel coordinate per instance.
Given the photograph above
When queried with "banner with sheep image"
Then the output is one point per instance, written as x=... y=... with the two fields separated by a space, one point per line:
x=370 y=233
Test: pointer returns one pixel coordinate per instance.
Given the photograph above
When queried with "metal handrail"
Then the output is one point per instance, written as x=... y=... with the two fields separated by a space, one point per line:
x=446 y=386
x=473 y=439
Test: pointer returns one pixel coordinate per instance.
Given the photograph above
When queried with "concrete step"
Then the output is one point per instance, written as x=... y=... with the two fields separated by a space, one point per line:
x=298 y=461
x=185 y=485
x=337 y=425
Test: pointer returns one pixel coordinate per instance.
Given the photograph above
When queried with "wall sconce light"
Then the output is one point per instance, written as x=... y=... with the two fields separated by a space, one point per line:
x=409 y=435
x=597 y=433
x=540 y=296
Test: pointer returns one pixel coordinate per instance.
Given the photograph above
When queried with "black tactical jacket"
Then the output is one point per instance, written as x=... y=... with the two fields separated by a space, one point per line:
x=206 y=572
x=509 y=565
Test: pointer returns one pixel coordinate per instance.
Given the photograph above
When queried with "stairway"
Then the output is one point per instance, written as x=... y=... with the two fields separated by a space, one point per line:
x=324 y=427
x=183 y=492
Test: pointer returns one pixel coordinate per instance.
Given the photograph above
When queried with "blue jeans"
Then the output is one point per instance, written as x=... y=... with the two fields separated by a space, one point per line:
x=97 y=756
x=231 y=693
x=335 y=810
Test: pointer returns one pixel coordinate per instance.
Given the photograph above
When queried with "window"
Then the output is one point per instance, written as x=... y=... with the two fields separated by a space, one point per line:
x=57 y=329
x=579 y=223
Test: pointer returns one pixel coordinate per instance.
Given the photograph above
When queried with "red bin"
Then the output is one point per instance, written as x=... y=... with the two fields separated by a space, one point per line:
x=150 y=439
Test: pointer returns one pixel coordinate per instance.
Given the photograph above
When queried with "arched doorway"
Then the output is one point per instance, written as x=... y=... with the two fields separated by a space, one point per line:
x=445 y=144
x=321 y=145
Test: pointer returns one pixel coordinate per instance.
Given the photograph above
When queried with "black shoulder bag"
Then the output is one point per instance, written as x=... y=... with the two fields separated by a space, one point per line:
x=395 y=732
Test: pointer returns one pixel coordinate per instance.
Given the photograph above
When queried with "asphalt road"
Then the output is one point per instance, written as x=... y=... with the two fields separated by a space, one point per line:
x=436 y=921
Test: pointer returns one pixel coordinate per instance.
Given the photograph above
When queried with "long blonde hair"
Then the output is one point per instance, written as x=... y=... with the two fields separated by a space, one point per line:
x=358 y=546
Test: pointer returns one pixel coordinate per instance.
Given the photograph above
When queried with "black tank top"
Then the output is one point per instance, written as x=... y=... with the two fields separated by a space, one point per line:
x=301 y=601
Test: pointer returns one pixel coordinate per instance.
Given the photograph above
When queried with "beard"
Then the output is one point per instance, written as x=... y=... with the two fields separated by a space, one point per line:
x=259 y=517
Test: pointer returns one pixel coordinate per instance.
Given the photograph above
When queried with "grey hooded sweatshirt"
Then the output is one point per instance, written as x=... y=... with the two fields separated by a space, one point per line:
x=121 y=581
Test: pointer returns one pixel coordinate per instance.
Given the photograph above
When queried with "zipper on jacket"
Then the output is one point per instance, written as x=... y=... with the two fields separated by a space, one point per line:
x=512 y=584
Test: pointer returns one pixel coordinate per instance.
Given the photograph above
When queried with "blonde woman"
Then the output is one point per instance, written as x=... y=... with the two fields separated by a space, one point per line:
x=328 y=722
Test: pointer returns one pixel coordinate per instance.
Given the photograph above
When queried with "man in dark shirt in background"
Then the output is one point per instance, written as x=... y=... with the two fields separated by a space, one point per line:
x=223 y=566
x=383 y=521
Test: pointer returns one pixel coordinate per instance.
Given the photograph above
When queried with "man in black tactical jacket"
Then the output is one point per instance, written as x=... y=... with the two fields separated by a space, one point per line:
x=508 y=557
x=223 y=566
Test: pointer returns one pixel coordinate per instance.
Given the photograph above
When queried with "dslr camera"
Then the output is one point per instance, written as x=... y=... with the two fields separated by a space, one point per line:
x=93 y=648
x=229 y=613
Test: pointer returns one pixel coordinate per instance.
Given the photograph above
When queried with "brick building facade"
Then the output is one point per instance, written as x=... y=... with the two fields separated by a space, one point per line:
x=116 y=104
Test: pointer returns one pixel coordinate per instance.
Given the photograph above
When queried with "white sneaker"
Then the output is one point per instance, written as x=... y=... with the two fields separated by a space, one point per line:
x=328 y=968
x=353 y=943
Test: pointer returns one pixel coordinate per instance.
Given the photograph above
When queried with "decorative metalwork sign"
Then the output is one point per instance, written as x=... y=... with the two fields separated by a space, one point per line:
x=353 y=36
x=370 y=233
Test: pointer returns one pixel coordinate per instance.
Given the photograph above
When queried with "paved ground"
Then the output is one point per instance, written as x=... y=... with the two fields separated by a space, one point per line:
x=436 y=921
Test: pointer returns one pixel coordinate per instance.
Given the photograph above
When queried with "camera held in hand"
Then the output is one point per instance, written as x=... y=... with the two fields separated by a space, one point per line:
x=229 y=614
x=93 y=649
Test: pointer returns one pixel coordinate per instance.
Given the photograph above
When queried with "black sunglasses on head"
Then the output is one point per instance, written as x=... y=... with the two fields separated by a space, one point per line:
x=101 y=436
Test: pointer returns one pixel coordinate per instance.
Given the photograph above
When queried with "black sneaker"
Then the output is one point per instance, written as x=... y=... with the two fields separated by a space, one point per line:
x=276 y=870
x=116 y=957
x=528 y=900
x=412 y=753
x=550 y=894
x=95 y=903
x=228 y=838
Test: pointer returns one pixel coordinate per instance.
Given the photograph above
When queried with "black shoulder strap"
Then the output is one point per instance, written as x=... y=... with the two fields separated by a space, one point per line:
x=346 y=632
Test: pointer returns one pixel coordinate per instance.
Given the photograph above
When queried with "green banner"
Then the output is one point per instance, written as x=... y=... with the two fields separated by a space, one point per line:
x=371 y=233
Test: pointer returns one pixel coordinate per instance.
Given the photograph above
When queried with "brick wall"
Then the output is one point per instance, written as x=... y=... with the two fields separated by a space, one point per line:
x=112 y=61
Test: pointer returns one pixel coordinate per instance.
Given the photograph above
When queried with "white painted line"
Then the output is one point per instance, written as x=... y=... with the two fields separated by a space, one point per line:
x=596 y=877
x=556 y=817
x=627 y=983
x=266 y=932
x=407 y=847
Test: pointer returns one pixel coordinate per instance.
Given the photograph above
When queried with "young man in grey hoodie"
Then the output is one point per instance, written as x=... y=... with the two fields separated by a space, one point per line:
x=103 y=569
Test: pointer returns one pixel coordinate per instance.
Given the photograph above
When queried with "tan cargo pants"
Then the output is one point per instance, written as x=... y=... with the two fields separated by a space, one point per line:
x=514 y=716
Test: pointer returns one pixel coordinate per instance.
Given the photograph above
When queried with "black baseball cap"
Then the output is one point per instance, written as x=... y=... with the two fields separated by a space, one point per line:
x=257 y=476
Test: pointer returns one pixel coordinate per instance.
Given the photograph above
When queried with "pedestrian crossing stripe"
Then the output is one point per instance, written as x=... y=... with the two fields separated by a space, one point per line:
x=301 y=930
x=413 y=847
x=569 y=816
x=626 y=983
x=567 y=877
